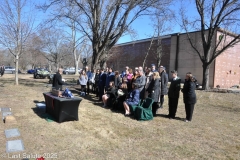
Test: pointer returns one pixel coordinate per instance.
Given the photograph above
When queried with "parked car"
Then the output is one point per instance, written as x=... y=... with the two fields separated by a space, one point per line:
x=50 y=77
x=41 y=73
x=9 y=69
x=31 y=71
x=70 y=70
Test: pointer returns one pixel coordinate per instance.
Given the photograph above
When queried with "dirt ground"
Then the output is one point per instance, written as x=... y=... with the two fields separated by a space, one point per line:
x=214 y=132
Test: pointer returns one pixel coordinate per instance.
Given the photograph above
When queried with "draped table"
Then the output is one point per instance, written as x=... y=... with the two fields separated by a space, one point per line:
x=62 y=109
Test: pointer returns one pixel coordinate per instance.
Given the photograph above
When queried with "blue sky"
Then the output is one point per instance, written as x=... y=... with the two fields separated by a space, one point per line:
x=143 y=25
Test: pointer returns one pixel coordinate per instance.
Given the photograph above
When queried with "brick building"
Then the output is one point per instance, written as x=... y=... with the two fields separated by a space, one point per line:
x=179 y=55
x=132 y=54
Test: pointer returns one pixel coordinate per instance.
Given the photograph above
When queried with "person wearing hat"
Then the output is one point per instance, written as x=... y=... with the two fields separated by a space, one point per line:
x=164 y=83
x=173 y=94
x=153 y=68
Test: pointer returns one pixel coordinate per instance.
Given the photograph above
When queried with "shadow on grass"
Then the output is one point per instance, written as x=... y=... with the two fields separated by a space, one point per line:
x=166 y=116
x=41 y=112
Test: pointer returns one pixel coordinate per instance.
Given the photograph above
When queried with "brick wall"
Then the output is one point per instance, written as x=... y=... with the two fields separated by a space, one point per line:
x=133 y=54
x=227 y=67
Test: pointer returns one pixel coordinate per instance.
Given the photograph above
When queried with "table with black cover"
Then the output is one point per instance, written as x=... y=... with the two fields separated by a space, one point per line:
x=63 y=109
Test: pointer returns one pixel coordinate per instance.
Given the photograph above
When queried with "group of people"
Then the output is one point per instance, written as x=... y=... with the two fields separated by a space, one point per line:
x=2 y=70
x=122 y=91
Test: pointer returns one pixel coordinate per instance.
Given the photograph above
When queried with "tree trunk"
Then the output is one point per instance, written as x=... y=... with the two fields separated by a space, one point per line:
x=16 y=70
x=205 y=81
x=94 y=59
x=76 y=67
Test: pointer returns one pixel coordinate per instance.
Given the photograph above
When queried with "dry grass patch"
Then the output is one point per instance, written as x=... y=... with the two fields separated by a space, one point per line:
x=214 y=132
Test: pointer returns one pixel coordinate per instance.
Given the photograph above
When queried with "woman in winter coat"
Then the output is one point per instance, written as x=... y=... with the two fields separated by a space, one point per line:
x=164 y=83
x=132 y=99
x=117 y=79
x=109 y=94
x=154 y=91
x=189 y=95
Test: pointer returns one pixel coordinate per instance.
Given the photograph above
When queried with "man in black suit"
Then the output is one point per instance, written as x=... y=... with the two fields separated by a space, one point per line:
x=57 y=80
x=173 y=94
x=101 y=83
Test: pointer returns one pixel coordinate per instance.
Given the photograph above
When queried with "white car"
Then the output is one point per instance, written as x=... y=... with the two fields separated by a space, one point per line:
x=9 y=69
x=70 y=70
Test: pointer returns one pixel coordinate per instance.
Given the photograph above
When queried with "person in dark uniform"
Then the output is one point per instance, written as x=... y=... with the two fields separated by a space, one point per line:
x=57 y=80
x=101 y=84
x=189 y=95
x=96 y=79
x=173 y=94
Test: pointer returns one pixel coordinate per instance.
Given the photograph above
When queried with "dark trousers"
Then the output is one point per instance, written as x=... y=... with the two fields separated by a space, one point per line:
x=189 y=111
x=161 y=100
x=97 y=91
x=93 y=88
x=88 y=86
x=155 y=108
x=83 y=88
x=101 y=91
x=172 y=104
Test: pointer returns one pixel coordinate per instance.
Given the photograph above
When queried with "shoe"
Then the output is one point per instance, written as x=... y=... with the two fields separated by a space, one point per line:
x=186 y=121
x=127 y=114
x=104 y=106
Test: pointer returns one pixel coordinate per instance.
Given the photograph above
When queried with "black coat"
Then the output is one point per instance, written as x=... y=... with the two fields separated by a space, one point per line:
x=112 y=92
x=189 y=95
x=57 y=81
x=164 y=83
x=96 y=79
x=173 y=91
x=102 y=79
x=154 y=89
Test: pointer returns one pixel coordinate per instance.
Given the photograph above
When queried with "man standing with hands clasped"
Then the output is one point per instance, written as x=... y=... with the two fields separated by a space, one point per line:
x=173 y=94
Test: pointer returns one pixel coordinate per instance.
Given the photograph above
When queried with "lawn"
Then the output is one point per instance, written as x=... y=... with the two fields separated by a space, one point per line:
x=214 y=132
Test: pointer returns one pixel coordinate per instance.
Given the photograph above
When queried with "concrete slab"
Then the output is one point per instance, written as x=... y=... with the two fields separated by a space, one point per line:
x=40 y=105
x=12 y=133
x=4 y=114
x=14 y=146
x=5 y=109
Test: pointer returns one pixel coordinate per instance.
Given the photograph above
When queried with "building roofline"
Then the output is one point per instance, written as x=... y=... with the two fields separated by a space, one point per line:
x=173 y=34
x=228 y=32
x=142 y=40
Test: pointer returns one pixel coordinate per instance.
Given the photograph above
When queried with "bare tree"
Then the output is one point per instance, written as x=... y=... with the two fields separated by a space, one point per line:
x=148 y=50
x=65 y=14
x=213 y=15
x=15 y=27
x=104 y=21
x=33 y=51
x=55 y=46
